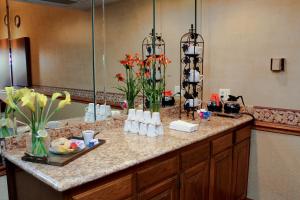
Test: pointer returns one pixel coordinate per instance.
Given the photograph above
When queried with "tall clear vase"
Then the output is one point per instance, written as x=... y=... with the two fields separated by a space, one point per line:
x=39 y=146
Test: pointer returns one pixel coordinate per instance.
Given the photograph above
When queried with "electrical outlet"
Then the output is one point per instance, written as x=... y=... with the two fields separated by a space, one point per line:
x=176 y=89
x=224 y=94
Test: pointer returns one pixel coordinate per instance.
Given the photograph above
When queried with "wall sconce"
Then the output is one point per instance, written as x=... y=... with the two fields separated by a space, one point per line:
x=17 y=21
x=277 y=64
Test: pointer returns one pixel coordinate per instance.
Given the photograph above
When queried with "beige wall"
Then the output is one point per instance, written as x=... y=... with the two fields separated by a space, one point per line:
x=3 y=188
x=241 y=38
x=274 y=167
x=60 y=43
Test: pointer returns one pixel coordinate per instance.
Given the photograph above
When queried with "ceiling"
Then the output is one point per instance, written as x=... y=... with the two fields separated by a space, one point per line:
x=79 y=4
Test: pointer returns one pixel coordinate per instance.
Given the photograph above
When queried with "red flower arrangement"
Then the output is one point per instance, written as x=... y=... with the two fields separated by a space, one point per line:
x=131 y=80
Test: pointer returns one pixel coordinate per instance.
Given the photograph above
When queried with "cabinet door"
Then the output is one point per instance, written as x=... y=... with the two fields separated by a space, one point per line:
x=116 y=190
x=220 y=176
x=240 y=170
x=195 y=182
x=165 y=190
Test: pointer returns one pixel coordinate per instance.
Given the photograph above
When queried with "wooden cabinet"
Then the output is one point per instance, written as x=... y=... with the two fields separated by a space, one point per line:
x=241 y=152
x=157 y=172
x=220 y=176
x=213 y=169
x=194 y=182
x=119 y=189
x=165 y=190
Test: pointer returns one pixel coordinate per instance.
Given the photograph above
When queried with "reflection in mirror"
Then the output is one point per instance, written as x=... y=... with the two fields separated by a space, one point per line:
x=53 y=49
x=173 y=19
x=127 y=23
x=4 y=47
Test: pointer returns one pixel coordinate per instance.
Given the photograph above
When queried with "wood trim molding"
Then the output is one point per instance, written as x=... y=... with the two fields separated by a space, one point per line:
x=277 y=128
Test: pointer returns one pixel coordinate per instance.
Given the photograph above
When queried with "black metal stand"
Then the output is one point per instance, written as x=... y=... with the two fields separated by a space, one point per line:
x=154 y=46
x=191 y=71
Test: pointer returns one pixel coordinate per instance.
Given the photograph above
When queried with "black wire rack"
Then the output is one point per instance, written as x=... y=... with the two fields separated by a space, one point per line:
x=154 y=46
x=191 y=72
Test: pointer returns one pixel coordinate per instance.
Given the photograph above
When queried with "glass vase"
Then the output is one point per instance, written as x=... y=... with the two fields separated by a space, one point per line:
x=4 y=127
x=155 y=103
x=39 y=145
x=130 y=103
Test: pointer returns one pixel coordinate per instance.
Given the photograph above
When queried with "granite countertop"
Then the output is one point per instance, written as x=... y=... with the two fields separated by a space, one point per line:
x=119 y=152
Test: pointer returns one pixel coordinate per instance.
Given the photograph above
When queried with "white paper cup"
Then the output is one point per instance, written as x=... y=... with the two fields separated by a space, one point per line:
x=143 y=129
x=102 y=110
x=90 y=107
x=100 y=117
x=108 y=111
x=195 y=76
x=160 y=130
x=193 y=102
x=135 y=127
x=156 y=118
x=131 y=114
x=127 y=126
x=147 y=117
x=89 y=117
x=151 y=130
x=194 y=50
x=139 y=116
x=88 y=135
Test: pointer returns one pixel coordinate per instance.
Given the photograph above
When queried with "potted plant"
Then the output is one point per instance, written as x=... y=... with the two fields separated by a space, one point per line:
x=40 y=112
x=131 y=81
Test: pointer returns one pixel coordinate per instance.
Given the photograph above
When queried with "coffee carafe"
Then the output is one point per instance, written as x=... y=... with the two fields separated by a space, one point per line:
x=232 y=106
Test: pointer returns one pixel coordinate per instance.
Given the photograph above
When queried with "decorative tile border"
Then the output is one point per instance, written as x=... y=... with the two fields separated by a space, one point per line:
x=277 y=116
x=277 y=120
x=82 y=95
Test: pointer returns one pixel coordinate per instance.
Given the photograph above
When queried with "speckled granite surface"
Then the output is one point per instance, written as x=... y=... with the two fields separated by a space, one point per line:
x=119 y=152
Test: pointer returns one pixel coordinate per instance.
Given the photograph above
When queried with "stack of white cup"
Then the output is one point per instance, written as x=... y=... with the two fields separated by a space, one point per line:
x=142 y=123
x=102 y=112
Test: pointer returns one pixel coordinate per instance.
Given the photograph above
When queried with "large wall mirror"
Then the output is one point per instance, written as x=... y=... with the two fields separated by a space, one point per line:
x=4 y=46
x=173 y=20
x=52 y=48
x=126 y=23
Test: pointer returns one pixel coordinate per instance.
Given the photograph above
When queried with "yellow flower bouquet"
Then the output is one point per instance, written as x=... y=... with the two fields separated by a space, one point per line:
x=40 y=112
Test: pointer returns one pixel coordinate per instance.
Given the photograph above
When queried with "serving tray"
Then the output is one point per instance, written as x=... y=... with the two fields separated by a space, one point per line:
x=231 y=115
x=60 y=160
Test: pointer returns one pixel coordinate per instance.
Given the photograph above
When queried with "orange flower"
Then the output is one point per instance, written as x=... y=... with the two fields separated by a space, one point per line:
x=129 y=57
x=147 y=75
x=149 y=61
x=138 y=74
x=124 y=62
x=141 y=63
x=162 y=59
x=120 y=77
